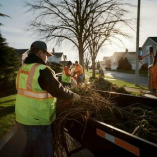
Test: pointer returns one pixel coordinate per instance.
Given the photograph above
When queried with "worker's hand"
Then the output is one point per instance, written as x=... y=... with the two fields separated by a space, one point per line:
x=76 y=98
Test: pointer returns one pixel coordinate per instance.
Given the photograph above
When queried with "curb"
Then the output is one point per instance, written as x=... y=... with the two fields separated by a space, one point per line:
x=7 y=137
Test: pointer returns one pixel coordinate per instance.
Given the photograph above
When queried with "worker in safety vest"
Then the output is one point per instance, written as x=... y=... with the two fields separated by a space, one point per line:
x=153 y=71
x=66 y=75
x=79 y=72
x=35 y=107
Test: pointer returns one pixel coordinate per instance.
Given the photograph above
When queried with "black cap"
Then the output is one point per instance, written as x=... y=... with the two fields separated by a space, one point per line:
x=41 y=45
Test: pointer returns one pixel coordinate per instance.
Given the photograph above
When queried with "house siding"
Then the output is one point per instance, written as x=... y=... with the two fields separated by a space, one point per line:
x=24 y=55
x=131 y=56
x=56 y=57
x=145 y=49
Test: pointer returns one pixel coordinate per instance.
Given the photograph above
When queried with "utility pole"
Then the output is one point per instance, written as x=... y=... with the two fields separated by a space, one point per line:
x=137 y=45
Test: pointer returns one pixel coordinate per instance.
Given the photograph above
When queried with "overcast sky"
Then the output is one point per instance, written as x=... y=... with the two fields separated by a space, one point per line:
x=14 y=29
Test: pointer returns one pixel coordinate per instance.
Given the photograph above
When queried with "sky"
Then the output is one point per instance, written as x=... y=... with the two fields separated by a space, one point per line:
x=17 y=36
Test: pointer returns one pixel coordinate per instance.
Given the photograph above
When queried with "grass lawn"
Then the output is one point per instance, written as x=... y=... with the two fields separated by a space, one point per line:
x=121 y=83
x=7 y=114
x=126 y=84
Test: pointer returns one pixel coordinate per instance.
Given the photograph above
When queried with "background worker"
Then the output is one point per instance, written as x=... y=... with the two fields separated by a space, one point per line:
x=35 y=107
x=153 y=78
x=140 y=58
x=66 y=75
x=79 y=71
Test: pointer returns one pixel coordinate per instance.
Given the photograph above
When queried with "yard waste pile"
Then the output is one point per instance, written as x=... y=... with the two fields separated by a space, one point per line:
x=102 y=84
x=137 y=119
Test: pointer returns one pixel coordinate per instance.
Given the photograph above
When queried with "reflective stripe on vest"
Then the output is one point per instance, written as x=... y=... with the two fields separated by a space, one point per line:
x=37 y=95
x=28 y=92
x=31 y=74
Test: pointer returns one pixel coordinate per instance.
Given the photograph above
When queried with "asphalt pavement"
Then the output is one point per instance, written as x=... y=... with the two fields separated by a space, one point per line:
x=143 y=81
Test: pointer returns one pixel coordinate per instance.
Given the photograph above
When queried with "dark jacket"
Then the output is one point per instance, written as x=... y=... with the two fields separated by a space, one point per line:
x=48 y=80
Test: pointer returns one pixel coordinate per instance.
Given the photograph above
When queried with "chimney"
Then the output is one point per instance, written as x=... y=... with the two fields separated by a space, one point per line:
x=53 y=50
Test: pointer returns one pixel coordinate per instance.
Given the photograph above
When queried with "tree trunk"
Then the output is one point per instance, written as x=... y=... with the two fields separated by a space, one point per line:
x=93 y=67
x=81 y=54
x=87 y=67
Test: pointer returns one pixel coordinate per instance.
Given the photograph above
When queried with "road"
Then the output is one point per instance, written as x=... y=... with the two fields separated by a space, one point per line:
x=143 y=81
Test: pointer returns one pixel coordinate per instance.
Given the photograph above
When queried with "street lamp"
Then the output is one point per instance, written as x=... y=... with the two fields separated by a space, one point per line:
x=137 y=44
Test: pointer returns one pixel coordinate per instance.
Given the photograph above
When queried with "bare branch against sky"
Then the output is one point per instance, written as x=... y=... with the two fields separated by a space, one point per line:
x=75 y=20
x=14 y=29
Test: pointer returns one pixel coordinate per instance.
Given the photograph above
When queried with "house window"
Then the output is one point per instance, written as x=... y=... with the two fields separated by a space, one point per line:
x=151 y=49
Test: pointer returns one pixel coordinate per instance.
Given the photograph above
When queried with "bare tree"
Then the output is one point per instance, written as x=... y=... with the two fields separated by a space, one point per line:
x=71 y=19
x=108 y=30
x=87 y=59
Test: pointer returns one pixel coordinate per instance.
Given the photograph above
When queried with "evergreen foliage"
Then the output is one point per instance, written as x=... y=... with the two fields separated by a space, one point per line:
x=9 y=64
x=124 y=64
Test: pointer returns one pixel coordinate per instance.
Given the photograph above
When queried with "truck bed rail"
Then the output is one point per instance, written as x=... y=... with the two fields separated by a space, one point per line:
x=103 y=139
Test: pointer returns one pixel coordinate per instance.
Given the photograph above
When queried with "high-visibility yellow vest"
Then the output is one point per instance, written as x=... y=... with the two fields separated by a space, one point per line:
x=33 y=105
x=65 y=78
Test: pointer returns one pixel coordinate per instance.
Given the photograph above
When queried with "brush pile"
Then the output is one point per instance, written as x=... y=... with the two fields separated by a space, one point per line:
x=102 y=84
x=91 y=105
x=138 y=119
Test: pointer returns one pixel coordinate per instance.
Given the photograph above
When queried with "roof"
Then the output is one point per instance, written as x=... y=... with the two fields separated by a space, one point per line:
x=119 y=54
x=123 y=53
x=58 y=54
x=20 y=51
x=154 y=39
x=131 y=56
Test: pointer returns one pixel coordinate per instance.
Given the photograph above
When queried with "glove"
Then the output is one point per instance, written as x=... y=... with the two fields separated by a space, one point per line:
x=76 y=98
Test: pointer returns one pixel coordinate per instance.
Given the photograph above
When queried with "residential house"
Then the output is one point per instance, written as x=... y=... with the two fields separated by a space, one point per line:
x=57 y=57
x=22 y=54
x=149 y=47
x=113 y=61
x=106 y=63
